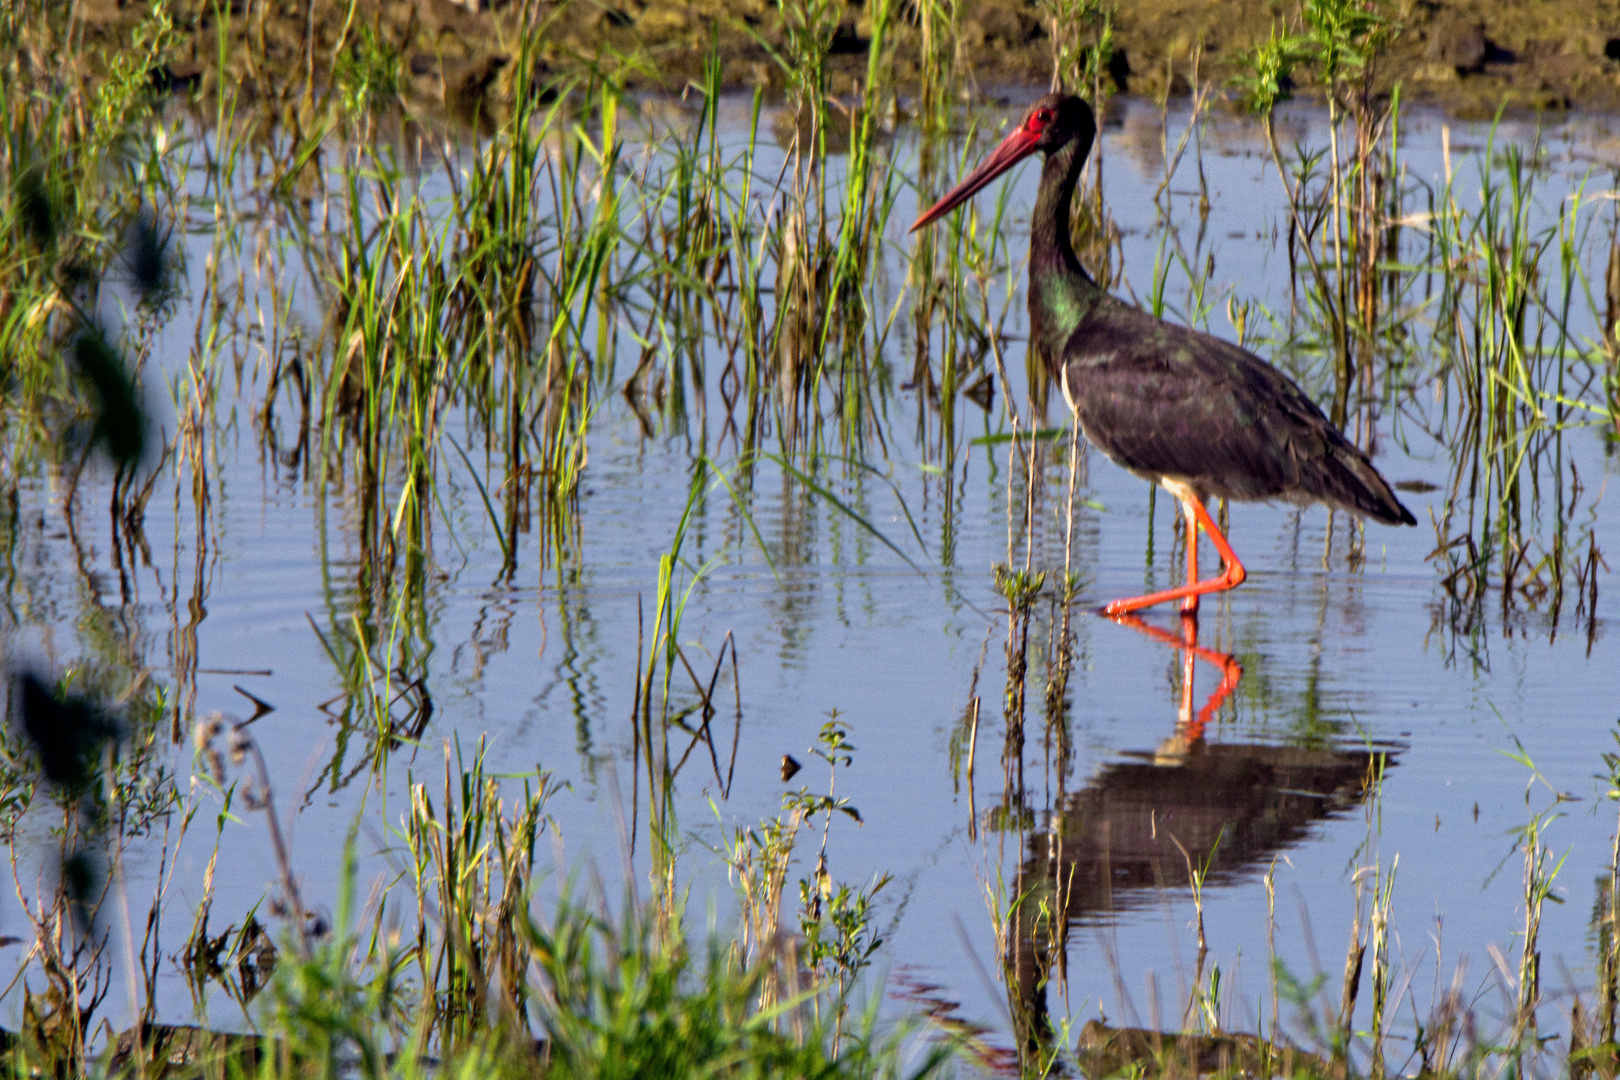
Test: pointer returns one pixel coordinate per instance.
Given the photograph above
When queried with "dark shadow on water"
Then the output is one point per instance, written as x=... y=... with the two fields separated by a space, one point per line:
x=1229 y=807
x=1147 y=822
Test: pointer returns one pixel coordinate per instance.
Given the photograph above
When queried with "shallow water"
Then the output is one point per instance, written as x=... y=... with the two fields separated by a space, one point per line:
x=1337 y=659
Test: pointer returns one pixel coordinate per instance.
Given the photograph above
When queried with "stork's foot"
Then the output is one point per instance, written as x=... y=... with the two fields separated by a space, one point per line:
x=1230 y=578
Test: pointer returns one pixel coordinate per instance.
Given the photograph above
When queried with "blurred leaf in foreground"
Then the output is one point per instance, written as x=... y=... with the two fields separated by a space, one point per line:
x=120 y=425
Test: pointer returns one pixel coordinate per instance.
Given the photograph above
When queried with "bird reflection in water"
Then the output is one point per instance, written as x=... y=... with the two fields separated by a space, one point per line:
x=1190 y=728
x=1143 y=822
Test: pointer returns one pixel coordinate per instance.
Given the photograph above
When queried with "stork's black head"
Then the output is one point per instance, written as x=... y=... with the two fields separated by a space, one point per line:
x=1052 y=123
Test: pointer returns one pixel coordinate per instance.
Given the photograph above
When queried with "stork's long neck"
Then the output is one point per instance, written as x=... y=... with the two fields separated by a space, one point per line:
x=1051 y=250
x=1061 y=293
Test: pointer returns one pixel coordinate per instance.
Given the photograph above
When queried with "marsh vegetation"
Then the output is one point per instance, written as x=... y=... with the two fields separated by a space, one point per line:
x=446 y=557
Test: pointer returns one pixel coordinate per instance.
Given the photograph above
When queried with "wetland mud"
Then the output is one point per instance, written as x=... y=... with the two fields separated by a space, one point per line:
x=455 y=59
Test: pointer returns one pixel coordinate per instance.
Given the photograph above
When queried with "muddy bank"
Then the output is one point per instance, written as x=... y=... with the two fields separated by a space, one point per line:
x=1469 y=55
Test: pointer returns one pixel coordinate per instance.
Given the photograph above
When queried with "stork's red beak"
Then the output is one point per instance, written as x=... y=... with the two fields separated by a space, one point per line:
x=1013 y=149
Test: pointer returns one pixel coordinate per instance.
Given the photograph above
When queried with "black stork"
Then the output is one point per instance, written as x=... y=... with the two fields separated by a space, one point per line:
x=1185 y=410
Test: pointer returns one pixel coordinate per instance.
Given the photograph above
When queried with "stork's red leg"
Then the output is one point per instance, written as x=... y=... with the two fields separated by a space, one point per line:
x=1189 y=606
x=1229 y=578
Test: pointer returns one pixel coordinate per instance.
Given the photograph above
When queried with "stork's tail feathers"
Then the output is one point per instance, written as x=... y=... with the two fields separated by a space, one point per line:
x=1346 y=479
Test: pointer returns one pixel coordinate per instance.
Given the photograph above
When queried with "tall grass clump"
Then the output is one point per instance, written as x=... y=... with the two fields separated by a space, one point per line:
x=509 y=984
x=1383 y=253
x=85 y=203
x=1338 y=216
x=1505 y=310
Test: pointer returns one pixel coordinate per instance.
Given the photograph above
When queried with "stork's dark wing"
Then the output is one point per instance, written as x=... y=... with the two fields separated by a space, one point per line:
x=1163 y=400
